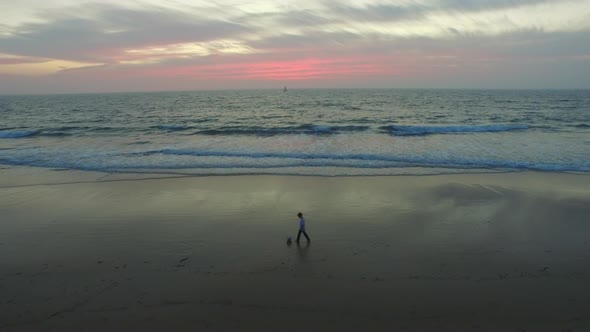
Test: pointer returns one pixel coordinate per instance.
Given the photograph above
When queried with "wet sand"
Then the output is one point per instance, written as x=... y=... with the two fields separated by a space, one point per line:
x=481 y=252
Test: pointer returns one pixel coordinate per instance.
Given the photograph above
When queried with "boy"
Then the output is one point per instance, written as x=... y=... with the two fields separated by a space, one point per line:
x=302 y=227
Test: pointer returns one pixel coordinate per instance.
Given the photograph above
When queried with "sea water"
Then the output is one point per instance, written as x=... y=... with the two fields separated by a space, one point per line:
x=300 y=132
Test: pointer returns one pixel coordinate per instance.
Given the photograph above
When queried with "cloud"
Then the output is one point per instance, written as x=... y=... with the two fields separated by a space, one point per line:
x=26 y=66
x=8 y=59
x=379 y=12
x=94 y=33
x=476 y=5
x=108 y=33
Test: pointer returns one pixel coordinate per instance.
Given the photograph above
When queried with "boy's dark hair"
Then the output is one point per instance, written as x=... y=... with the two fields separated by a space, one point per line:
x=300 y=214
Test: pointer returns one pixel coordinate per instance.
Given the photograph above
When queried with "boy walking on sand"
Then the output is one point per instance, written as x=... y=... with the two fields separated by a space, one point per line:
x=302 y=227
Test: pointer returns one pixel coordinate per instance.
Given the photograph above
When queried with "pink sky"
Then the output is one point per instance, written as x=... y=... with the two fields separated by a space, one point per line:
x=73 y=46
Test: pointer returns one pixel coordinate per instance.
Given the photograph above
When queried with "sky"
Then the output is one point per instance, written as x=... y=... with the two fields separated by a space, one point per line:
x=72 y=46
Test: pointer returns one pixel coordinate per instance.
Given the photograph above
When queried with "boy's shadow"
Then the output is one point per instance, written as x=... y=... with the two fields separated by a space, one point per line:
x=302 y=250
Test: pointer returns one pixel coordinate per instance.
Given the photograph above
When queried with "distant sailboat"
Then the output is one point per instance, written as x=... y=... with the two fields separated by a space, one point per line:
x=285 y=89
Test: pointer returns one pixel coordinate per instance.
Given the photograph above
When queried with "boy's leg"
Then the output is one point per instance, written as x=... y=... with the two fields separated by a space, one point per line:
x=307 y=237
x=298 y=235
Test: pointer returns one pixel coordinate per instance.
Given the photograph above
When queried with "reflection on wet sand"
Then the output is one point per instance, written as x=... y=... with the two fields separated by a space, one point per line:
x=459 y=253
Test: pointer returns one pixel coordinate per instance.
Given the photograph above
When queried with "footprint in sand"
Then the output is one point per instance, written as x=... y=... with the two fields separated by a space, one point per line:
x=181 y=262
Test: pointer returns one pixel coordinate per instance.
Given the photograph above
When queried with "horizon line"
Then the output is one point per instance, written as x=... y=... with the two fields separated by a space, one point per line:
x=281 y=90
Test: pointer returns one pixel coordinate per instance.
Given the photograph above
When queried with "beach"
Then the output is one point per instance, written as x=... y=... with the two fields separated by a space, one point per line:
x=466 y=252
x=159 y=161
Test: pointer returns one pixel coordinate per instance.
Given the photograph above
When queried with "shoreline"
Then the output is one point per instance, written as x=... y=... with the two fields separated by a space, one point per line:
x=21 y=173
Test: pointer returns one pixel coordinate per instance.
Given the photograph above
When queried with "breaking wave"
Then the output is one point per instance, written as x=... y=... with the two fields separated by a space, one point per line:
x=19 y=133
x=399 y=130
x=298 y=130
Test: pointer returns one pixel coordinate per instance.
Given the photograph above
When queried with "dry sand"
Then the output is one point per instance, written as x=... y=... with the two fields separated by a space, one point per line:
x=488 y=252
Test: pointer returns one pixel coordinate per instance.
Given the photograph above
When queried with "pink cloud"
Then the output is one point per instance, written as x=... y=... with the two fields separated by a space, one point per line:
x=285 y=70
x=255 y=70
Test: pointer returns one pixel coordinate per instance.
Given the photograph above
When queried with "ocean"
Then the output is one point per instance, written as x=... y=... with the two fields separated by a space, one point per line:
x=300 y=132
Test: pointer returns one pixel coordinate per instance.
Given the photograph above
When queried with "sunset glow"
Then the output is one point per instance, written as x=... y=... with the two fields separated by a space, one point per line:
x=23 y=66
x=373 y=43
